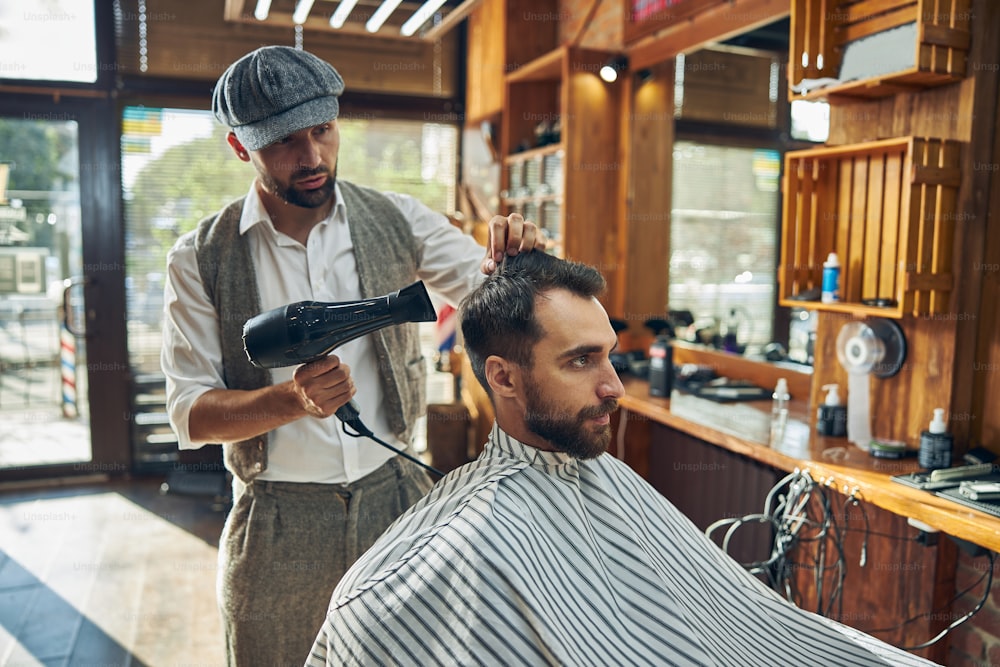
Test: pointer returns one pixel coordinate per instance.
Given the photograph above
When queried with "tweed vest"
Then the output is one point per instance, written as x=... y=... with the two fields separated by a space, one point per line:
x=387 y=260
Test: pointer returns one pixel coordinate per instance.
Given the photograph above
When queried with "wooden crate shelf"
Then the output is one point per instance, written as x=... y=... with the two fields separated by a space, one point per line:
x=888 y=209
x=821 y=31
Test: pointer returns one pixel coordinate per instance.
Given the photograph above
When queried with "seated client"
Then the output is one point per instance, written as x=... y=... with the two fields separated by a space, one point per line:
x=546 y=550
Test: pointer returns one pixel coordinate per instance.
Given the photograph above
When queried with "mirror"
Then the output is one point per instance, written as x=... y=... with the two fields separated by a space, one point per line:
x=733 y=123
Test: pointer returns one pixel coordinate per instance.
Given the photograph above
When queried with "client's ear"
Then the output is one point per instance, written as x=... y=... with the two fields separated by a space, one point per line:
x=503 y=376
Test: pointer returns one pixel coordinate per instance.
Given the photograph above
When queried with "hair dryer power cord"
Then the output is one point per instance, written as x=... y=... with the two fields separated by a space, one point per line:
x=350 y=415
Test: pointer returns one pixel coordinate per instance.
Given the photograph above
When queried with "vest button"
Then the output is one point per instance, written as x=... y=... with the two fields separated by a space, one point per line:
x=258 y=466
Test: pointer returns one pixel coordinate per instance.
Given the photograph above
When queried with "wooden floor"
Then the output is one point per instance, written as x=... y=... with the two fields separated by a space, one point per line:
x=111 y=574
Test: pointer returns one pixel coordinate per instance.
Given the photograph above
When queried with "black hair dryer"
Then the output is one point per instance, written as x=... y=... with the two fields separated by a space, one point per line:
x=309 y=330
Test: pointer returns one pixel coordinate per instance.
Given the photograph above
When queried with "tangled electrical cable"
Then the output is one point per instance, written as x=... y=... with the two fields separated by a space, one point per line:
x=797 y=522
x=988 y=575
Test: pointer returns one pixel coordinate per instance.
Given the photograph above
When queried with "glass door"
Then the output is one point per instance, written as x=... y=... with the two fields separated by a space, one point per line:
x=44 y=411
x=63 y=385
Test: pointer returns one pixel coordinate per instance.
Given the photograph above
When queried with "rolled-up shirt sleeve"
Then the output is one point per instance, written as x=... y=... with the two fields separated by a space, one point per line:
x=191 y=356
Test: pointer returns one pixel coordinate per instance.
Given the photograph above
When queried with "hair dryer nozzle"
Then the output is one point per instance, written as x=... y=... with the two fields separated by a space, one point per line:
x=309 y=330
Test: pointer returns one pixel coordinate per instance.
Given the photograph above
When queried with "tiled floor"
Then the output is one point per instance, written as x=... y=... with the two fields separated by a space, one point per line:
x=116 y=574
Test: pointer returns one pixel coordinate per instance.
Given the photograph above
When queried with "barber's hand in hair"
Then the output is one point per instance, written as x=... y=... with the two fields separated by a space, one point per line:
x=322 y=386
x=509 y=236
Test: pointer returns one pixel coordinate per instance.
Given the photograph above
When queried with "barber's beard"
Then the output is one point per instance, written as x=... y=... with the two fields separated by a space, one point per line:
x=303 y=198
x=572 y=434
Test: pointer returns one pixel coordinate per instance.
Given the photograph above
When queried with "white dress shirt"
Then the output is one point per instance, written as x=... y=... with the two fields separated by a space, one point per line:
x=324 y=269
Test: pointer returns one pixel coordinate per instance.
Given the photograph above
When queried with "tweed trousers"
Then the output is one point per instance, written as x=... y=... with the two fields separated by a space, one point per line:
x=285 y=546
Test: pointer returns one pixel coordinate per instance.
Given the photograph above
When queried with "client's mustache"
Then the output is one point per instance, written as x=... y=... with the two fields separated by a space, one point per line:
x=606 y=408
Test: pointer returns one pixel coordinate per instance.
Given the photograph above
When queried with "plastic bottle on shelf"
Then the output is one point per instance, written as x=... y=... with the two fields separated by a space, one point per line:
x=731 y=337
x=661 y=359
x=832 y=417
x=779 y=411
x=935 y=444
x=830 y=292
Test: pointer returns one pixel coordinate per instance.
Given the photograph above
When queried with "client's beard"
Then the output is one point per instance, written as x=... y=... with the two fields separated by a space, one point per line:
x=568 y=433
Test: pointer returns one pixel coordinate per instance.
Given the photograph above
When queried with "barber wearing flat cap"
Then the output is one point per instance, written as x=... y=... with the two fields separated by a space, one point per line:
x=307 y=500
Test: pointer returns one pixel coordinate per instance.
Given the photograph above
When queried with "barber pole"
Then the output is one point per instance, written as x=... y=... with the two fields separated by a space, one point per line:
x=67 y=362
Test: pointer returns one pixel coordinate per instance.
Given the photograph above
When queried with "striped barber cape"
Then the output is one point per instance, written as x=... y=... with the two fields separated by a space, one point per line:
x=527 y=557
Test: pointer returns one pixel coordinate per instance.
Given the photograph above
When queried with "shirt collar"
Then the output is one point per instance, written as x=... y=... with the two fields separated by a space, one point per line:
x=254 y=212
x=500 y=444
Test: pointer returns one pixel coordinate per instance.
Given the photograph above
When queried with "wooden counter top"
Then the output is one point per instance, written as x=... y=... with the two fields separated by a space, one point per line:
x=744 y=428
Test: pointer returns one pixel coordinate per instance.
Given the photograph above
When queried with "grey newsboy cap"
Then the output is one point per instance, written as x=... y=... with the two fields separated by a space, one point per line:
x=274 y=91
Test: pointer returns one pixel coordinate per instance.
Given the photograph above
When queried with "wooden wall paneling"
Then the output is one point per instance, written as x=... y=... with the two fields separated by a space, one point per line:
x=649 y=164
x=615 y=301
x=986 y=365
x=901 y=406
x=975 y=416
x=708 y=483
x=631 y=440
x=944 y=113
x=535 y=30
x=983 y=420
x=487 y=60
x=590 y=138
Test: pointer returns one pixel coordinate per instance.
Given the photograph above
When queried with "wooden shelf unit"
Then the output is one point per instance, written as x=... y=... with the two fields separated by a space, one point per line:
x=821 y=31
x=888 y=209
x=534 y=181
x=504 y=35
x=579 y=209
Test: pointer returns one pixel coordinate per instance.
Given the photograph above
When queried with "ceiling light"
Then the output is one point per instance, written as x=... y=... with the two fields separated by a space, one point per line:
x=263 y=7
x=302 y=9
x=381 y=15
x=339 y=17
x=420 y=16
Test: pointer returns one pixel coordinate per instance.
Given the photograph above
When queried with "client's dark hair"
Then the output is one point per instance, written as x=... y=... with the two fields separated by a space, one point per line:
x=498 y=317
